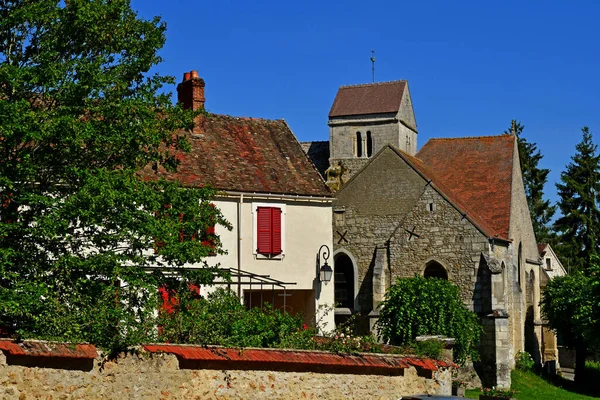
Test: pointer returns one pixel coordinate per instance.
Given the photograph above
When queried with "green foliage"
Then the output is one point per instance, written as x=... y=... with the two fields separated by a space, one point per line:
x=579 y=190
x=572 y=306
x=418 y=306
x=221 y=319
x=568 y=303
x=79 y=117
x=499 y=393
x=430 y=348
x=524 y=361
x=534 y=180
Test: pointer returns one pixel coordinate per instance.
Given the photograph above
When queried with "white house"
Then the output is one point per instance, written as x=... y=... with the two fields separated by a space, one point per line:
x=277 y=202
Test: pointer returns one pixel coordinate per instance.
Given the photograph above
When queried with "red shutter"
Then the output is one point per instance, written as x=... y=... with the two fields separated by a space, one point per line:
x=263 y=231
x=276 y=231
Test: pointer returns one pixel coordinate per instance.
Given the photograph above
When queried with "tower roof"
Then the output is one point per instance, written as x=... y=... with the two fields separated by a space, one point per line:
x=375 y=98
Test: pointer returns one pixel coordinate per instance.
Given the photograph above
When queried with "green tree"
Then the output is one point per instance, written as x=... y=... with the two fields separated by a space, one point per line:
x=534 y=180
x=578 y=191
x=79 y=116
x=572 y=306
x=420 y=306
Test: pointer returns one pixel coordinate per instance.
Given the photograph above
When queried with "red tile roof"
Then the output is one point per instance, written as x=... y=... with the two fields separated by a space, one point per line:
x=376 y=98
x=48 y=349
x=295 y=359
x=478 y=171
x=542 y=247
x=246 y=155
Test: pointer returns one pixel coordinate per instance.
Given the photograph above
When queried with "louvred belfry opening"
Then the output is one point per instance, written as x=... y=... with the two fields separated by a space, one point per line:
x=269 y=231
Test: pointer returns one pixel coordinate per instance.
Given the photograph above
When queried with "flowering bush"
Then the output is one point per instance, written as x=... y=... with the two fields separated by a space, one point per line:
x=500 y=393
x=524 y=361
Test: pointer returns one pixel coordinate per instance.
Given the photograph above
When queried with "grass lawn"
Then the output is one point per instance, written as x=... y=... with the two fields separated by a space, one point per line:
x=530 y=386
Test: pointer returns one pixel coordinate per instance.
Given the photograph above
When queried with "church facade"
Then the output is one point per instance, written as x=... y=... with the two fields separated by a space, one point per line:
x=455 y=210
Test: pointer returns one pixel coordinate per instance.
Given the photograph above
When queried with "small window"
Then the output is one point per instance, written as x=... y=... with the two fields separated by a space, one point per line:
x=548 y=264
x=430 y=206
x=369 y=144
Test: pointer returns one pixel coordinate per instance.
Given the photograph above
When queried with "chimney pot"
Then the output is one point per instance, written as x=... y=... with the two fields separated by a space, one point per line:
x=194 y=74
x=186 y=76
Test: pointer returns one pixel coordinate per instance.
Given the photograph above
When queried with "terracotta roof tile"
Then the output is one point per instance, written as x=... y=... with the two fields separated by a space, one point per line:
x=48 y=349
x=261 y=358
x=478 y=171
x=542 y=247
x=376 y=98
x=246 y=155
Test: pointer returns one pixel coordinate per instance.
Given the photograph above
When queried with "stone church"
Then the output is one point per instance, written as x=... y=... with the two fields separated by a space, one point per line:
x=455 y=210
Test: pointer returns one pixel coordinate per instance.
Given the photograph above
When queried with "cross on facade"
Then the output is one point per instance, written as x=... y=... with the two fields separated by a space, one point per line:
x=412 y=233
x=342 y=237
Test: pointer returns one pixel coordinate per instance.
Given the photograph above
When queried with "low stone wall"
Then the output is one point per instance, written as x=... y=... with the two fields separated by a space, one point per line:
x=37 y=370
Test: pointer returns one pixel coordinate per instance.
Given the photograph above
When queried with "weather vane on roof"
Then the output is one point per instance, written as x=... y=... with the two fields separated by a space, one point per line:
x=373 y=65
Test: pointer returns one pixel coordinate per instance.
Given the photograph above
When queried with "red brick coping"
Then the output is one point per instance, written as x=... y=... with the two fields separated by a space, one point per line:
x=294 y=360
x=214 y=357
x=34 y=348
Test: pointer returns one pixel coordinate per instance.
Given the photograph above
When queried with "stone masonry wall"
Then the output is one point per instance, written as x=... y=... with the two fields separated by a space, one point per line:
x=160 y=376
x=444 y=236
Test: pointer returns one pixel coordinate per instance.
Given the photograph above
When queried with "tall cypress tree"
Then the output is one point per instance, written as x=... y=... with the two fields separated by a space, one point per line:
x=578 y=191
x=534 y=180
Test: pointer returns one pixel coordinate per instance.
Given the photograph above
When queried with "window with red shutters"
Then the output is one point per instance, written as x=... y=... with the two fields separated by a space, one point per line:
x=268 y=231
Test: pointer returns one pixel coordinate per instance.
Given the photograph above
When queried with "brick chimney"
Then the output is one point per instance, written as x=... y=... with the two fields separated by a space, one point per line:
x=190 y=92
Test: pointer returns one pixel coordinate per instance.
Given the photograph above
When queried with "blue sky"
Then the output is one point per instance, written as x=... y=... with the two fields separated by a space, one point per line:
x=472 y=66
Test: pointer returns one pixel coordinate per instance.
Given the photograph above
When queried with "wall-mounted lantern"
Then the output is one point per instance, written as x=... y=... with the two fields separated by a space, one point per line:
x=325 y=272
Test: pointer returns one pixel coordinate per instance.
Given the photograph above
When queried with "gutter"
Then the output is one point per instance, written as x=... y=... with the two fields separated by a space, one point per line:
x=266 y=196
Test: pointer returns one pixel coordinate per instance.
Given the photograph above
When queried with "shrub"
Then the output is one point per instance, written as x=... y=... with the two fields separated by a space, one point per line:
x=418 y=306
x=221 y=319
x=524 y=361
x=431 y=348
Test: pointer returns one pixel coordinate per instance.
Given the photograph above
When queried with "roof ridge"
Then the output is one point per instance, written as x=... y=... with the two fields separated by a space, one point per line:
x=243 y=118
x=472 y=137
x=373 y=84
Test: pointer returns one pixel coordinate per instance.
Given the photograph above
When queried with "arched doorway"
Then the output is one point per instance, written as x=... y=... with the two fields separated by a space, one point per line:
x=344 y=281
x=344 y=287
x=434 y=269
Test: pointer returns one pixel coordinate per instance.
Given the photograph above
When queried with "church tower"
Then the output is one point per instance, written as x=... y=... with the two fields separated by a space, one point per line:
x=365 y=118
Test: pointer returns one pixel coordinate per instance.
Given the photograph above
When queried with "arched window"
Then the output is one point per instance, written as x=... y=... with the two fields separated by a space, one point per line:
x=435 y=270
x=344 y=281
x=369 y=144
x=358 y=145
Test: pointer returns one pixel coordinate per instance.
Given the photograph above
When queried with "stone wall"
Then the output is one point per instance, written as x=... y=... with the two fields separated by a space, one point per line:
x=147 y=375
x=388 y=201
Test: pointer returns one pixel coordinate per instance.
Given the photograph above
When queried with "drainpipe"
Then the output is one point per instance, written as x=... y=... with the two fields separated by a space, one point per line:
x=239 y=244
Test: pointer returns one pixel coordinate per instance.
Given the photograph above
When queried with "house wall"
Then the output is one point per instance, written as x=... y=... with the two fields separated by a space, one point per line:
x=306 y=227
x=521 y=232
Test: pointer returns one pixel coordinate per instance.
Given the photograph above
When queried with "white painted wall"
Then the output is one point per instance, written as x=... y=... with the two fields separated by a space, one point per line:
x=306 y=226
